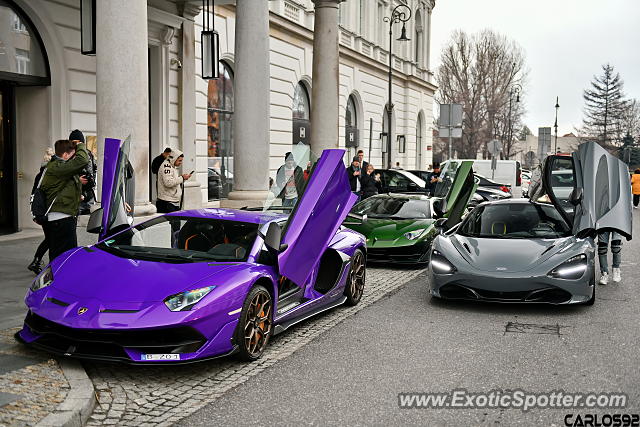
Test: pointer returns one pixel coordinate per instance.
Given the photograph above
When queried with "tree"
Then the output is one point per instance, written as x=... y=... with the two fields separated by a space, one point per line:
x=604 y=106
x=524 y=132
x=479 y=71
x=630 y=121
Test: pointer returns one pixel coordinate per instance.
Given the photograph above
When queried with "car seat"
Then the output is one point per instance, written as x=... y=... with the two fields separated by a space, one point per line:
x=498 y=228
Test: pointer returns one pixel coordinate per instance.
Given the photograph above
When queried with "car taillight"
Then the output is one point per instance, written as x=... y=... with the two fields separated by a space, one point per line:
x=505 y=189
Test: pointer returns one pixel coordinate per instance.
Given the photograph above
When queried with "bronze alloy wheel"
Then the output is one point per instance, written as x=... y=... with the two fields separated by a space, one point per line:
x=356 y=278
x=255 y=324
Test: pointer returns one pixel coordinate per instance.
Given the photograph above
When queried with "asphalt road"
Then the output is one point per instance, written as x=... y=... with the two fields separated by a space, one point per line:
x=408 y=342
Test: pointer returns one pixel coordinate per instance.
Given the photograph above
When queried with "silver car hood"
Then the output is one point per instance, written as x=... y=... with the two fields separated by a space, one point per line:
x=508 y=255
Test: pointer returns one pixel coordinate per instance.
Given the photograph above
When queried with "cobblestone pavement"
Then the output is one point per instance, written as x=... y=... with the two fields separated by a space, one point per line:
x=31 y=384
x=139 y=395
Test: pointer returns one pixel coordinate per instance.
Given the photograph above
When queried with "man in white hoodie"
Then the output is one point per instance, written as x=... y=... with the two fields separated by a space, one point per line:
x=170 y=183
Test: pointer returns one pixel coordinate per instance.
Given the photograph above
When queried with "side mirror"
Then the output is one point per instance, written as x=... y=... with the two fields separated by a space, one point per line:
x=576 y=196
x=273 y=238
x=436 y=205
x=440 y=223
x=95 y=221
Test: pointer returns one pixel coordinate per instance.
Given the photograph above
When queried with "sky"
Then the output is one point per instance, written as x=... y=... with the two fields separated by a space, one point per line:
x=565 y=44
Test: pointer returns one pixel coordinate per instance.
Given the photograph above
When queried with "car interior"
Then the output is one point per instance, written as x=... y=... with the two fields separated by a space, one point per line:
x=226 y=239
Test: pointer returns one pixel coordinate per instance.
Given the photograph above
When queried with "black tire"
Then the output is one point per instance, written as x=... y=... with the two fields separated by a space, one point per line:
x=255 y=325
x=354 y=287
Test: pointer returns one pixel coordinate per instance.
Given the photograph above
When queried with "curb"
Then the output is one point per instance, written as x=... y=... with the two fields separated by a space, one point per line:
x=76 y=408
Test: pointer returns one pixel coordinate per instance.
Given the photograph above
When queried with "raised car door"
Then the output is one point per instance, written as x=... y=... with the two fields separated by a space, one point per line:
x=118 y=188
x=324 y=205
x=590 y=189
x=460 y=192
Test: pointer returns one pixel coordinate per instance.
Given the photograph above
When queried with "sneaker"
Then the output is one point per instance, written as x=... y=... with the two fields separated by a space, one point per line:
x=604 y=278
x=616 y=275
x=35 y=266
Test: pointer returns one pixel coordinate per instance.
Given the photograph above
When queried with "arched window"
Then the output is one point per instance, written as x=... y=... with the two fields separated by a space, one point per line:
x=351 y=123
x=301 y=114
x=22 y=56
x=220 y=134
x=419 y=40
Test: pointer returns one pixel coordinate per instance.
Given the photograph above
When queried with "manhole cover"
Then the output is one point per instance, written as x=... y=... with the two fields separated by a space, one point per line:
x=532 y=328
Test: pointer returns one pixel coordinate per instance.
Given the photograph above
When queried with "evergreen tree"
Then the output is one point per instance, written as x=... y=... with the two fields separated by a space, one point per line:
x=604 y=106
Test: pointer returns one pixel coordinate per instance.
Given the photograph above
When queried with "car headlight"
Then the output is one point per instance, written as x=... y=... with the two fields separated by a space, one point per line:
x=43 y=280
x=413 y=235
x=571 y=269
x=441 y=265
x=186 y=300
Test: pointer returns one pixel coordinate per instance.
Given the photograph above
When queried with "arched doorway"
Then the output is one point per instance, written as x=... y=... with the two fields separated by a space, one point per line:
x=301 y=111
x=220 y=134
x=23 y=62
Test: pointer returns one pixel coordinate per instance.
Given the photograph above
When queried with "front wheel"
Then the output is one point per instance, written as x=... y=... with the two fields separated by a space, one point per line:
x=254 y=327
x=356 y=278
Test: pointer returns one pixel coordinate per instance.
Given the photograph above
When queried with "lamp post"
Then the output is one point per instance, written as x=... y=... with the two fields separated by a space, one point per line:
x=515 y=89
x=400 y=13
x=555 y=125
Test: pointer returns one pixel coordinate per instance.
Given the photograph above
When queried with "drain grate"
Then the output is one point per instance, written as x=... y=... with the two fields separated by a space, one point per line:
x=532 y=328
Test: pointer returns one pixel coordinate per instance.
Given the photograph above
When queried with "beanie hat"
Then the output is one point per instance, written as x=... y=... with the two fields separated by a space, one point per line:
x=76 y=135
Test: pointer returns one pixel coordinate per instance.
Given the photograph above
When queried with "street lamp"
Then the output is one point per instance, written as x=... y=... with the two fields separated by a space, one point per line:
x=515 y=89
x=209 y=45
x=555 y=125
x=400 y=13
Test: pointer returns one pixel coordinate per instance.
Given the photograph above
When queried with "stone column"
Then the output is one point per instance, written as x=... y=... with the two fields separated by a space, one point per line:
x=324 y=97
x=122 y=85
x=251 y=109
x=192 y=192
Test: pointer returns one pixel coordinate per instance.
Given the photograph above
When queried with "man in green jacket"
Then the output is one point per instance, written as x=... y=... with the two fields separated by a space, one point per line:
x=63 y=188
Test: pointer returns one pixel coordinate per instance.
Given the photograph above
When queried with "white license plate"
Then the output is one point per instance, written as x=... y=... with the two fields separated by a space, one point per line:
x=160 y=357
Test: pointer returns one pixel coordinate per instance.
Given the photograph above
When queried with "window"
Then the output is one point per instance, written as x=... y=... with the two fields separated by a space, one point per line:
x=419 y=40
x=351 y=123
x=301 y=115
x=18 y=26
x=220 y=134
x=22 y=61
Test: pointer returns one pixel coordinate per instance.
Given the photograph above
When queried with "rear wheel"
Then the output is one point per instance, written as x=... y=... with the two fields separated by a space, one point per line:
x=356 y=278
x=254 y=327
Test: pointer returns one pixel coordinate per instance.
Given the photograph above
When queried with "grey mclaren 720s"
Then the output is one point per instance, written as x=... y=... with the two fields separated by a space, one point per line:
x=540 y=249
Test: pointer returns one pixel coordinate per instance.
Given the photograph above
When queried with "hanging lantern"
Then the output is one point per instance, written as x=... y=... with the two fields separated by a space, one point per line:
x=88 y=27
x=209 y=45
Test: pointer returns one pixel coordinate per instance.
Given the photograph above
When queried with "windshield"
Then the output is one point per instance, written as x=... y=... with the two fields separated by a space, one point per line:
x=393 y=207
x=514 y=221
x=177 y=239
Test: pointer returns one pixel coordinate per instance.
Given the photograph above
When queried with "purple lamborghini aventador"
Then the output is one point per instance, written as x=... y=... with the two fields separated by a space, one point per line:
x=197 y=284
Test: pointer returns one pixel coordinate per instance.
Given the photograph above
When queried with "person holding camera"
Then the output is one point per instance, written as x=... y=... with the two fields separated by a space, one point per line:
x=89 y=172
x=62 y=186
x=370 y=180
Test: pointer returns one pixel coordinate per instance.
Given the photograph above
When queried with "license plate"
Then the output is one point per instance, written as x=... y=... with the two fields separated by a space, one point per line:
x=171 y=356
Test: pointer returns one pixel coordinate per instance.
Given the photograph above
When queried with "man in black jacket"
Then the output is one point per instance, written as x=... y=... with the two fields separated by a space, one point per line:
x=157 y=161
x=355 y=172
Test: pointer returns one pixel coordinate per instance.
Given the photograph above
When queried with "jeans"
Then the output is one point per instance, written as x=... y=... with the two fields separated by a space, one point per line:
x=166 y=207
x=636 y=200
x=289 y=203
x=60 y=235
x=43 y=247
x=616 y=250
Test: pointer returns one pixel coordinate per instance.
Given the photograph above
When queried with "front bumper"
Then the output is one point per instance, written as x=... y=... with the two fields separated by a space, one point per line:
x=412 y=254
x=511 y=287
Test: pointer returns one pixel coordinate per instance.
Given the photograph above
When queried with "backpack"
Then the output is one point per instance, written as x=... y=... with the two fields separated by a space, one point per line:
x=38 y=202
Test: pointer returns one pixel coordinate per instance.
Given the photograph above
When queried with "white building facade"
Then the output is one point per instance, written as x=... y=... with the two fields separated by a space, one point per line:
x=363 y=86
x=145 y=82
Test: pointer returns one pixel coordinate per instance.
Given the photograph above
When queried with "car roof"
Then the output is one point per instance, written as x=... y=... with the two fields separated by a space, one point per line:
x=514 y=201
x=255 y=217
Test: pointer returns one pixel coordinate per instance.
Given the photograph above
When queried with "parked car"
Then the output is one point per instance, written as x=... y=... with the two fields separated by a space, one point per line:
x=491 y=193
x=534 y=250
x=214 y=184
x=196 y=284
x=507 y=171
x=399 y=228
x=400 y=181
x=489 y=183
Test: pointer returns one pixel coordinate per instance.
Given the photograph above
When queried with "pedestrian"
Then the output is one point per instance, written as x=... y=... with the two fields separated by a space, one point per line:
x=363 y=164
x=355 y=173
x=170 y=183
x=616 y=250
x=371 y=184
x=62 y=186
x=397 y=166
x=433 y=178
x=290 y=180
x=158 y=160
x=635 y=187
x=89 y=172
x=43 y=247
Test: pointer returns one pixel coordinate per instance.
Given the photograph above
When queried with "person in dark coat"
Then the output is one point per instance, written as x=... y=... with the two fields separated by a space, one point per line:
x=363 y=164
x=371 y=184
x=159 y=160
x=43 y=247
x=354 y=171
x=432 y=179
